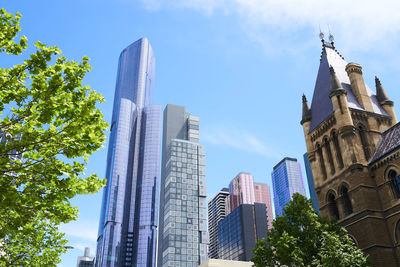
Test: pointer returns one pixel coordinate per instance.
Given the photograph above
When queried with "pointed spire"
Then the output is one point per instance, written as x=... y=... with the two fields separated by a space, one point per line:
x=380 y=92
x=336 y=86
x=306 y=111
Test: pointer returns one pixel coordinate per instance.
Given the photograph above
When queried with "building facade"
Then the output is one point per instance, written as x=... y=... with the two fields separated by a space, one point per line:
x=286 y=180
x=240 y=230
x=183 y=233
x=353 y=146
x=310 y=182
x=262 y=194
x=216 y=212
x=128 y=222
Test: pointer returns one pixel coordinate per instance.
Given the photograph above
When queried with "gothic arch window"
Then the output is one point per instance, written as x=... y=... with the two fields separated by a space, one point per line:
x=335 y=139
x=363 y=137
x=395 y=182
x=332 y=206
x=346 y=201
x=329 y=152
x=321 y=160
x=397 y=232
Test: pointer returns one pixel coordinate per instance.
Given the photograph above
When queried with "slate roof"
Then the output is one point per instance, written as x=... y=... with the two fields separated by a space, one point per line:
x=389 y=143
x=321 y=105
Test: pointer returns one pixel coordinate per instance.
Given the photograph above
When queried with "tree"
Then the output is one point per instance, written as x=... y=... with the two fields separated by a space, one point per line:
x=49 y=125
x=302 y=238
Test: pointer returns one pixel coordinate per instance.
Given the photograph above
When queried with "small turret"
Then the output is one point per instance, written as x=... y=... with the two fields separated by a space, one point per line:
x=336 y=86
x=306 y=111
x=384 y=100
x=380 y=92
x=354 y=71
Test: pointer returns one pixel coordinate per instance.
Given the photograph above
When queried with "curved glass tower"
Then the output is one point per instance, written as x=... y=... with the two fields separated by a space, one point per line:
x=128 y=221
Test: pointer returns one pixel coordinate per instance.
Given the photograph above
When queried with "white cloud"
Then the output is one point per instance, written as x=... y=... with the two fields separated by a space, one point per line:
x=86 y=230
x=241 y=140
x=358 y=24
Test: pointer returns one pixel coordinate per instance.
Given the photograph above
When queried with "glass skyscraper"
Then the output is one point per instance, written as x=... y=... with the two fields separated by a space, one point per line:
x=286 y=180
x=310 y=180
x=183 y=235
x=240 y=230
x=128 y=222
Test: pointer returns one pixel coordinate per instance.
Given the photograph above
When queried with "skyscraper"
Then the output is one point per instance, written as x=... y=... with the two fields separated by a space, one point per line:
x=310 y=182
x=240 y=230
x=241 y=190
x=85 y=260
x=183 y=235
x=128 y=221
x=216 y=212
x=286 y=180
x=262 y=194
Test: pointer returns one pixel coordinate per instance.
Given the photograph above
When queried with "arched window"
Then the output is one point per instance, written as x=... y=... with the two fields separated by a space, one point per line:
x=329 y=152
x=346 y=201
x=364 y=143
x=397 y=233
x=395 y=180
x=335 y=139
x=321 y=161
x=333 y=210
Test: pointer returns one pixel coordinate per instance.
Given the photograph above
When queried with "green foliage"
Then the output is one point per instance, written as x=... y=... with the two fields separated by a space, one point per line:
x=49 y=125
x=302 y=238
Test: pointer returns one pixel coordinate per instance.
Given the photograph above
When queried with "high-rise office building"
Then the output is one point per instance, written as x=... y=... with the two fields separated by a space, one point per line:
x=240 y=230
x=310 y=181
x=183 y=235
x=128 y=221
x=286 y=180
x=85 y=260
x=262 y=194
x=216 y=212
x=241 y=190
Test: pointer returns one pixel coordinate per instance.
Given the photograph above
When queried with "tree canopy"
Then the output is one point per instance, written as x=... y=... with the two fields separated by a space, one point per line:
x=302 y=238
x=49 y=125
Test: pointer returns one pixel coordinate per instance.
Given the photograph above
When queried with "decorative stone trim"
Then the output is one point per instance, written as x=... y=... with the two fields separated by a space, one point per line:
x=323 y=128
x=385 y=161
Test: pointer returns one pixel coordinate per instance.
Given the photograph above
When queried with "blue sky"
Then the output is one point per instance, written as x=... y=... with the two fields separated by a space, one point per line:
x=240 y=65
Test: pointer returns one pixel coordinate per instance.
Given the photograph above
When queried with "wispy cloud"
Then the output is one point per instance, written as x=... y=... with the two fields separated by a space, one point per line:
x=238 y=139
x=86 y=230
x=368 y=22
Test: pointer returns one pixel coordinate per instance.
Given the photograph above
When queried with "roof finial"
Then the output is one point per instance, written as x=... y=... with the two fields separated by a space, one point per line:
x=321 y=35
x=331 y=38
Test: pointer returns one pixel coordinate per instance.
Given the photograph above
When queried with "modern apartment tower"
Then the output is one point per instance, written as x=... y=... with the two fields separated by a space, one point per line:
x=286 y=180
x=240 y=230
x=183 y=235
x=128 y=222
x=262 y=194
x=216 y=212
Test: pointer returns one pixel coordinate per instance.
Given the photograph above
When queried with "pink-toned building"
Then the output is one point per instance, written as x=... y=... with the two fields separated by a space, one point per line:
x=262 y=194
x=241 y=190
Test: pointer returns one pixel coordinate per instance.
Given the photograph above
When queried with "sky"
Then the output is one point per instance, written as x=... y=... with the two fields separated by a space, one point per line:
x=240 y=65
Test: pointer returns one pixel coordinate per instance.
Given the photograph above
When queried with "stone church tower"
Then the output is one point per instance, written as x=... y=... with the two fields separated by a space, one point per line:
x=353 y=143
